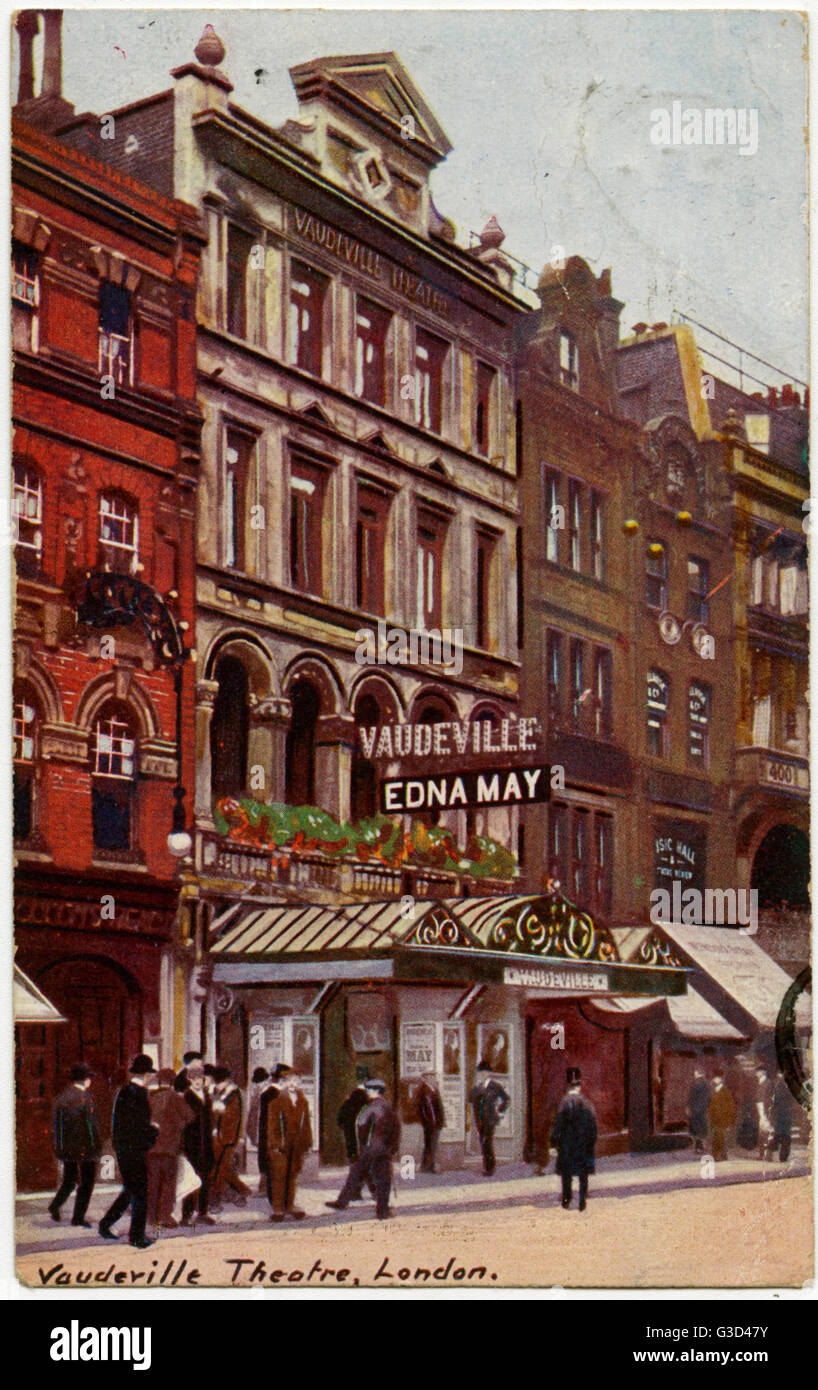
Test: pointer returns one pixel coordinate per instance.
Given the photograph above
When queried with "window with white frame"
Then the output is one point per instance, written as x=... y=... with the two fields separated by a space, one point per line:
x=118 y=533
x=658 y=699
x=115 y=333
x=113 y=768
x=575 y=525
x=25 y=296
x=569 y=361
x=553 y=515
x=27 y=507
x=24 y=772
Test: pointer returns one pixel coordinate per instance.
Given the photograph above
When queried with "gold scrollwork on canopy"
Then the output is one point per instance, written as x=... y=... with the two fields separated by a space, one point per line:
x=552 y=926
x=655 y=951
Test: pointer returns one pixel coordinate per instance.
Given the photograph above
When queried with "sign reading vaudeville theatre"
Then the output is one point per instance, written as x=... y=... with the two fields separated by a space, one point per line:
x=513 y=786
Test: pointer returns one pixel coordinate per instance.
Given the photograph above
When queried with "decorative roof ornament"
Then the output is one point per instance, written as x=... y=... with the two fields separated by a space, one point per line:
x=210 y=51
x=492 y=235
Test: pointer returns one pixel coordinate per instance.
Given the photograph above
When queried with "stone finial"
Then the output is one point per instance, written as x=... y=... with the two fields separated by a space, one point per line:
x=732 y=426
x=492 y=235
x=210 y=50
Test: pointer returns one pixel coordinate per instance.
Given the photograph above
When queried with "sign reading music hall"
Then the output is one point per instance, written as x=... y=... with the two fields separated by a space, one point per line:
x=354 y=253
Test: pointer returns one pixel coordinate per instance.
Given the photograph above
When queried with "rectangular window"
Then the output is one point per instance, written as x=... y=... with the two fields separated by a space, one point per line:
x=486 y=547
x=698 y=586
x=24 y=278
x=373 y=515
x=597 y=529
x=656 y=572
x=698 y=724
x=574 y=525
x=557 y=817
x=238 y=456
x=431 y=536
x=579 y=858
x=114 y=749
x=27 y=506
x=603 y=865
x=118 y=533
x=371 y=329
x=553 y=515
x=578 y=692
x=569 y=361
x=482 y=415
x=307 y=494
x=24 y=724
x=308 y=292
x=603 y=691
x=554 y=675
x=115 y=333
x=239 y=244
x=657 y=711
x=430 y=355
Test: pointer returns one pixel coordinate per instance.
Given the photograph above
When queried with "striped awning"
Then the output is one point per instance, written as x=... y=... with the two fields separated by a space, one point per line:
x=690 y=1015
x=315 y=930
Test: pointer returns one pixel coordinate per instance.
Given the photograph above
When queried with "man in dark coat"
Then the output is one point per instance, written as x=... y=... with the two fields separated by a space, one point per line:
x=378 y=1142
x=721 y=1113
x=227 y=1117
x=197 y=1143
x=170 y=1114
x=489 y=1102
x=574 y=1133
x=289 y=1138
x=348 y=1118
x=180 y=1082
x=133 y=1134
x=76 y=1144
x=432 y=1117
x=698 y=1099
x=266 y=1097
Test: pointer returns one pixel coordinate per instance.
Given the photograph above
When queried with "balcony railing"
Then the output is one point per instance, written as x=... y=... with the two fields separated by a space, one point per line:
x=227 y=860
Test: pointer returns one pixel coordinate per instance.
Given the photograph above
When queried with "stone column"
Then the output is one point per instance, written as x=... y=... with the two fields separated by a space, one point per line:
x=206 y=692
x=334 y=746
x=267 y=746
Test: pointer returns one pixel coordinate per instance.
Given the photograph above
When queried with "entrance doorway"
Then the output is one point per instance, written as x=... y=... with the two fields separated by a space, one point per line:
x=558 y=1036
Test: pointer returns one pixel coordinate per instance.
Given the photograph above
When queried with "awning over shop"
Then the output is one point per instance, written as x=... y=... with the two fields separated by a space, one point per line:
x=690 y=1015
x=30 y=1004
x=542 y=944
x=740 y=968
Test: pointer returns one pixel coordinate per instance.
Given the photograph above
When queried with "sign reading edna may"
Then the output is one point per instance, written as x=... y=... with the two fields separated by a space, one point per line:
x=363 y=258
x=511 y=787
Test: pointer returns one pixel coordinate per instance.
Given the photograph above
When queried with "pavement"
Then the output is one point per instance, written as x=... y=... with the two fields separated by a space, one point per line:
x=461 y=1191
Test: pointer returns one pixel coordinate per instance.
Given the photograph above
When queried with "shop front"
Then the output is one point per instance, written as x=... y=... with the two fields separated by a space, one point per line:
x=405 y=988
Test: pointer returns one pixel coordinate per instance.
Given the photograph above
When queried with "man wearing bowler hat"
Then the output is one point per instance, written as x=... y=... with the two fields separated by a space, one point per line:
x=378 y=1133
x=76 y=1144
x=574 y=1134
x=134 y=1134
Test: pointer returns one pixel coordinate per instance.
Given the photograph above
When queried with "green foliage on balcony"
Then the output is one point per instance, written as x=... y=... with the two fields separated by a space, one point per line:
x=377 y=839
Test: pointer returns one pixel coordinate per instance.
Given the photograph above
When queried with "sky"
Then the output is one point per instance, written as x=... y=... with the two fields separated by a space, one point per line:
x=549 y=113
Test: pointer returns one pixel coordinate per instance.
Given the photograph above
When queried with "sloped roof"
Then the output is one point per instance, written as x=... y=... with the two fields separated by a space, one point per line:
x=375 y=83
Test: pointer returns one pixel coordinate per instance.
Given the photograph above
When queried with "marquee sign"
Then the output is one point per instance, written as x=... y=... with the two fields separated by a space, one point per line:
x=515 y=786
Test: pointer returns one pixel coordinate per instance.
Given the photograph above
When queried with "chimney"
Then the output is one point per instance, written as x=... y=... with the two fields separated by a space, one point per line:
x=48 y=109
x=772 y=397
x=52 y=54
x=27 y=26
x=787 y=395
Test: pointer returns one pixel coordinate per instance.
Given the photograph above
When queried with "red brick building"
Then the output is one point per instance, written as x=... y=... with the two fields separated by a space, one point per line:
x=105 y=461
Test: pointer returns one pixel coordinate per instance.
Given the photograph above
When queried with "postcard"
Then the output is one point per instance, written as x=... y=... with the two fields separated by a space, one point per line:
x=409 y=523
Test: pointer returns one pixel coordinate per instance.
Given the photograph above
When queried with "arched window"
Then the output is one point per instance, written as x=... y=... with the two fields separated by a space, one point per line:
x=26 y=755
x=229 y=729
x=113 y=779
x=364 y=790
x=300 y=773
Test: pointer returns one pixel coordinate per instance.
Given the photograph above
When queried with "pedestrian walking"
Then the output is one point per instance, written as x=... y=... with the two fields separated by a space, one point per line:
x=197 y=1144
x=489 y=1102
x=782 y=1109
x=289 y=1138
x=133 y=1134
x=721 y=1115
x=267 y=1094
x=76 y=1144
x=378 y=1139
x=348 y=1118
x=227 y=1115
x=574 y=1133
x=698 y=1099
x=432 y=1117
x=170 y=1114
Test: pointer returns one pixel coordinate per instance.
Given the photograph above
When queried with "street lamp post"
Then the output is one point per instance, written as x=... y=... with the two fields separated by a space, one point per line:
x=119 y=600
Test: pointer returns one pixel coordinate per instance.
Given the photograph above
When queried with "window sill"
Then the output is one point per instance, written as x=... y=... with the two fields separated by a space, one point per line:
x=123 y=859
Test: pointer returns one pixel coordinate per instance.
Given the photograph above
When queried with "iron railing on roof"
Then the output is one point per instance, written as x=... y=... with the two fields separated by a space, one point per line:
x=741 y=357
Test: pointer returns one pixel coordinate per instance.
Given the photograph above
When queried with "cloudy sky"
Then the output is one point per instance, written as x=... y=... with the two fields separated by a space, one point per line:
x=549 y=115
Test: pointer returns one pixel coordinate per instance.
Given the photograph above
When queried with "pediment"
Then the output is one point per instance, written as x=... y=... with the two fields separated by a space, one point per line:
x=377 y=442
x=377 y=83
x=315 y=413
x=437 y=927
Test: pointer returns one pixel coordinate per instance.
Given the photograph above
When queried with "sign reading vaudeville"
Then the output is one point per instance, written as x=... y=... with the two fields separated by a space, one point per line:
x=516 y=786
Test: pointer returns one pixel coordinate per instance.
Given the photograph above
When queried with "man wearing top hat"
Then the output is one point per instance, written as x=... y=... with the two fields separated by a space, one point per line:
x=133 y=1133
x=76 y=1144
x=378 y=1133
x=574 y=1133
x=227 y=1116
